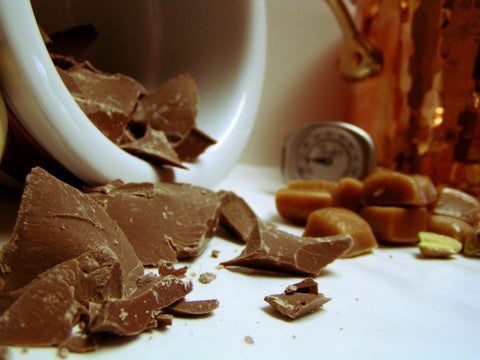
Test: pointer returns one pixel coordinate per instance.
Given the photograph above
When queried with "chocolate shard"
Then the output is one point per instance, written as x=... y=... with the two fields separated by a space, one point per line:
x=133 y=314
x=73 y=41
x=152 y=146
x=276 y=250
x=165 y=268
x=163 y=221
x=238 y=217
x=80 y=343
x=108 y=100
x=51 y=305
x=296 y=305
x=193 y=308
x=308 y=286
x=57 y=222
x=193 y=145
x=171 y=107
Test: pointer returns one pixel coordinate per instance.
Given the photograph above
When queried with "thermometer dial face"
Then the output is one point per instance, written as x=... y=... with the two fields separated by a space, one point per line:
x=327 y=151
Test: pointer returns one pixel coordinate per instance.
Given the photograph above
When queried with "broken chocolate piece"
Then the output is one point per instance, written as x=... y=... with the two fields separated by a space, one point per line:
x=73 y=41
x=276 y=250
x=298 y=299
x=133 y=314
x=153 y=146
x=51 y=305
x=107 y=99
x=194 y=308
x=80 y=343
x=193 y=145
x=238 y=217
x=166 y=268
x=57 y=222
x=163 y=221
x=171 y=107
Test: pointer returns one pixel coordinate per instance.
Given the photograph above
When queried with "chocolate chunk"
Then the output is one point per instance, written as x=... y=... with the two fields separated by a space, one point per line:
x=133 y=314
x=166 y=268
x=298 y=299
x=51 y=305
x=152 y=146
x=73 y=41
x=238 y=217
x=193 y=145
x=107 y=99
x=308 y=286
x=80 y=343
x=163 y=221
x=171 y=107
x=194 y=308
x=57 y=222
x=276 y=250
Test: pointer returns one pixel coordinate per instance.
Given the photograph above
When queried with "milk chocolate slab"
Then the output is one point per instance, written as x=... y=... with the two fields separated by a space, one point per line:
x=133 y=314
x=107 y=99
x=163 y=221
x=276 y=250
x=298 y=299
x=57 y=222
x=238 y=217
x=193 y=308
x=171 y=107
x=152 y=146
x=51 y=305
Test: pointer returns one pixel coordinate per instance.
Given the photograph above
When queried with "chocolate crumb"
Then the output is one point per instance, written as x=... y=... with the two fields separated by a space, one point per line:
x=207 y=277
x=249 y=340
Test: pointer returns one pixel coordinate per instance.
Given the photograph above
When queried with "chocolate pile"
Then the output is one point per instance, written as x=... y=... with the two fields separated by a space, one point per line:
x=74 y=266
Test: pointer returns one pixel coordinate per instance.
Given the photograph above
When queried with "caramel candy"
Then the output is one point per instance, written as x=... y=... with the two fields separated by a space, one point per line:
x=295 y=205
x=276 y=250
x=57 y=222
x=450 y=226
x=348 y=194
x=396 y=189
x=456 y=203
x=313 y=185
x=339 y=221
x=472 y=242
x=298 y=299
x=395 y=224
x=163 y=221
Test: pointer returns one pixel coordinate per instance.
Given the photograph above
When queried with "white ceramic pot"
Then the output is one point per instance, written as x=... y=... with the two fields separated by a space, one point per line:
x=221 y=43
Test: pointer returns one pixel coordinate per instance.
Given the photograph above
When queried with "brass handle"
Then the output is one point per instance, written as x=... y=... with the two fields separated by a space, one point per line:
x=360 y=58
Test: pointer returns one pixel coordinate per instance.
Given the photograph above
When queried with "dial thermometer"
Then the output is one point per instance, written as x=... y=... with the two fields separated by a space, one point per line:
x=327 y=151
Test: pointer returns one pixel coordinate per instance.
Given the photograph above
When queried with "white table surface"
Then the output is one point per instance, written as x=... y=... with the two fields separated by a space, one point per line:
x=390 y=304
